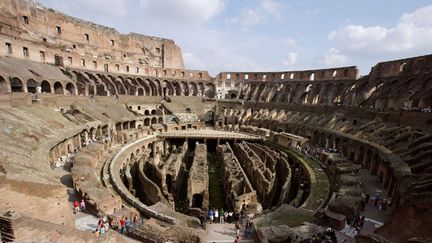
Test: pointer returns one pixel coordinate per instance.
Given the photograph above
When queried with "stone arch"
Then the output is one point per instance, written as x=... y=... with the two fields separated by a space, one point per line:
x=16 y=85
x=184 y=88
x=32 y=86
x=147 y=122
x=141 y=91
x=209 y=118
x=4 y=86
x=153 y=120
x=109 y=84
x=158 y=87
x=167 y=88
x=176 y=87
x=210 y=90
x=201 y=89
x=58 y=88
x=193 y=89
x=152 y=87
x=70 y=89
x=45 y=87
x=120 y=86
x=145 y=86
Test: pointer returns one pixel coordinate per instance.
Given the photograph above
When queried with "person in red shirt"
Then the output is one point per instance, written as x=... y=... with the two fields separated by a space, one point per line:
x=122 y=225
x=75 y=206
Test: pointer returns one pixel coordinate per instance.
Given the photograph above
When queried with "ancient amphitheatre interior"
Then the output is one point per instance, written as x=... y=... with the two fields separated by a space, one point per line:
x=116 y=120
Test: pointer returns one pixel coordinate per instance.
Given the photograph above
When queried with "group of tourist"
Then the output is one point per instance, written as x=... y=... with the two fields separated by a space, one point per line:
x=220 y=216
x=327 y=236
x=123 y=225
x=379 y=201
x=79 y=206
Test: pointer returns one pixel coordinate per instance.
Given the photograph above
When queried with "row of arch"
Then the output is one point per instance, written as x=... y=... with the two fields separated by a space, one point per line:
x=106 y=85
x=17 y=85
x=300 y=93
x=90 y=84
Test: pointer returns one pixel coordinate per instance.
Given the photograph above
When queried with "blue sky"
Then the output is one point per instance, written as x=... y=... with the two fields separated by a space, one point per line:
x=271 y=35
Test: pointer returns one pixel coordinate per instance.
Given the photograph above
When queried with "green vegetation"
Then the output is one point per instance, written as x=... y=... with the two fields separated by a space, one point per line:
x=216 y=191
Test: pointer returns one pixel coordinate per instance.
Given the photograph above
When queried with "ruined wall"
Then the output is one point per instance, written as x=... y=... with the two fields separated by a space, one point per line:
x=198 y=181
x=381 y=147
x=385 y=88
x=238 y=189
x=262 y=177
x=56 y=34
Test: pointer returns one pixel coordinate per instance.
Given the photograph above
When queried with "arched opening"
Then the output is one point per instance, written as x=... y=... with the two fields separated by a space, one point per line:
x=160 y=120
x=168 y=181
x=58 y=88
x=209 y=118
x=70 y=89
x=141 y=92
x=147 y=122
x=31 y=86
x=45 y=87
x=210 y=91
x=153 y=120
x=197 y=200
x=16 y=85
x=3 y=86
x=233 y=96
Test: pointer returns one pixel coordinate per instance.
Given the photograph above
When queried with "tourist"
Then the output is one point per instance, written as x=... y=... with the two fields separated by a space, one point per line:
x=221 y=217
x=230 y=216
x=237 y=228
x=211 y=215
x=216 y=216
x=355 y=234
x=135 y=219
x=361 y=222
x=248 y=229
x=75 y=206
x=102 y=229
x=82 y=205
x=127 y=224
x=114 y=224
x=226 y=216
x=96 y=232
x=122 y=225
x=237 y=239
x=380 y=204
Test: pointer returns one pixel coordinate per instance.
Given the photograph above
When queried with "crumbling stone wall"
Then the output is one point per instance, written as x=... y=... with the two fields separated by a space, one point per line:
x=198 y=181
x=262 y=177
x=238 y=189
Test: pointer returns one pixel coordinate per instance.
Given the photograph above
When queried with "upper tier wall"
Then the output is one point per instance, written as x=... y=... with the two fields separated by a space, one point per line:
x=65 y=36
x=342 y=73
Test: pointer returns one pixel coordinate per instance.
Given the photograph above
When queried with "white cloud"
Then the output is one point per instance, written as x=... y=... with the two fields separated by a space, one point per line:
x=271 y=7
x=251 y=17
x=265 y=10
x=333 y=58
x=290 y=42
x=291 y=60
x=411 y=35
x=107 y=8
x=191 y=12
x=192 y=61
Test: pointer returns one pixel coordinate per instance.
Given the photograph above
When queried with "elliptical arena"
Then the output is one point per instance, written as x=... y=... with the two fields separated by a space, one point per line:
x=87 y=113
